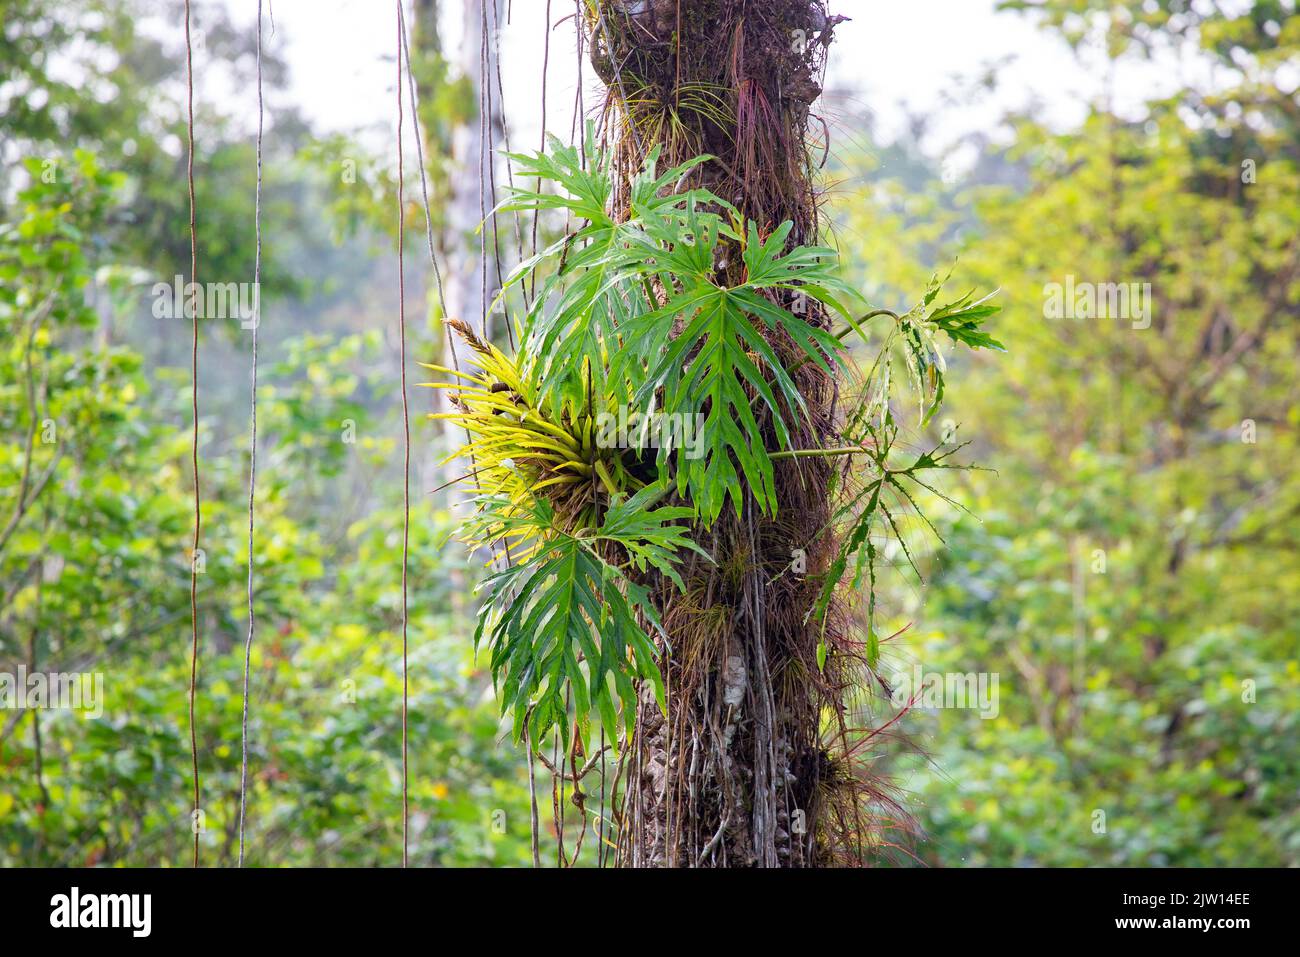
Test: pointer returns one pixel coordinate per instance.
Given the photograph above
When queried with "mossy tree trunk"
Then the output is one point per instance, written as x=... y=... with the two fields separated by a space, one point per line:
x=739 y=774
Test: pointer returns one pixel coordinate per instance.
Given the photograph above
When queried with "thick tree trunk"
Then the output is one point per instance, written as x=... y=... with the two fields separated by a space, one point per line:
x=738 y=774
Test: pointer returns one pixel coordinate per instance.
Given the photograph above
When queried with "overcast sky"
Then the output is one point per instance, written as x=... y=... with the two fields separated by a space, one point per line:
x=922 y=54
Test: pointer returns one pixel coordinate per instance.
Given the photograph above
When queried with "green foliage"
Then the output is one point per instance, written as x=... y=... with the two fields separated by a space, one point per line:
x=1163 y=690
x=1133 y=577
x=708 y=365
x=561 y=618
x=872 y=427
x=94 y=578
x=915 y=336
x=867 y=510
x=599 y=272
x=599 y=326
x=564 y=621
x=637 y=314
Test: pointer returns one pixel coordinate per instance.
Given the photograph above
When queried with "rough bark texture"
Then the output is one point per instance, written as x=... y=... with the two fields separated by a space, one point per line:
x=739 y=774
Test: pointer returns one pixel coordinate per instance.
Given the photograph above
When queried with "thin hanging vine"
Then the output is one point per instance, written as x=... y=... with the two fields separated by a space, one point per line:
x=406 y=431
x=195 y=820
x=252 y=444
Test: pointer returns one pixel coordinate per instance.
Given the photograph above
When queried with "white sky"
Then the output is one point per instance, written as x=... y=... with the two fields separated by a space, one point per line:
x=925 y=54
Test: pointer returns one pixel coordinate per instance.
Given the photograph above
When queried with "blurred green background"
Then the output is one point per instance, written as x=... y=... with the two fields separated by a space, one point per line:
x=1128 y=568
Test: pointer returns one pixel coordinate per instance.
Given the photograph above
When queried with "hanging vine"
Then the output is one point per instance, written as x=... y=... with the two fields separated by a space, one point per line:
x=196 y=814
x=252 y=447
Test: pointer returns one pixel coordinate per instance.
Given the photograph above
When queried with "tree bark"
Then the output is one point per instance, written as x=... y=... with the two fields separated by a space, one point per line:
x=739 y=773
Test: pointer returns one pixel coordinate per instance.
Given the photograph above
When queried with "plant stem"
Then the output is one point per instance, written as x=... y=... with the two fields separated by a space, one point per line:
x=819 y=453
x=862 y=320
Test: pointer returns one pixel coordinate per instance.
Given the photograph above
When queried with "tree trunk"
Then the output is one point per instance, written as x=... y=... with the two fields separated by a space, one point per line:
x=740 y=773
x=458 y=169
x=472 y=262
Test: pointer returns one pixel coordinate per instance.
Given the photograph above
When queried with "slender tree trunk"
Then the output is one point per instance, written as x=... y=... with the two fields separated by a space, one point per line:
x=740 y=773
x=472 y=258
x=429 y=69
x=459 y=168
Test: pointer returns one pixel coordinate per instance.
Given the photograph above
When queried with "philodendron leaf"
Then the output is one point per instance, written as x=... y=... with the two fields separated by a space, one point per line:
x=558 y=627
x=638 y=312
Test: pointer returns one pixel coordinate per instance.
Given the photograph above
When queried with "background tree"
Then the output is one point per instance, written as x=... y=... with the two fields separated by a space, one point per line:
x=94 y=490
x=1134 y=577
